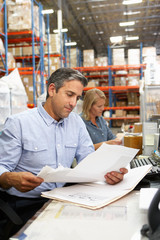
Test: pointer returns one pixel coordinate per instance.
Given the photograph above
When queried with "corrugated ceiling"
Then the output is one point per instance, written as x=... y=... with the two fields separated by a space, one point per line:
x=91 y=23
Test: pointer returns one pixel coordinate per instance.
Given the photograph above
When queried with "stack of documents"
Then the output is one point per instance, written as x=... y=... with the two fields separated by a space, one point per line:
x=94 y=192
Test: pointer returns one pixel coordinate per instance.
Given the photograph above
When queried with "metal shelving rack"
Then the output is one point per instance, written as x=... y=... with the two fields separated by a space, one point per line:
x=112 y=90
x=4 y=57
x=30 y=38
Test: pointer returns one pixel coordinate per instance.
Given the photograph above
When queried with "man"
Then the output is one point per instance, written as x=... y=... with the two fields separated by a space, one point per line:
x=47 y=135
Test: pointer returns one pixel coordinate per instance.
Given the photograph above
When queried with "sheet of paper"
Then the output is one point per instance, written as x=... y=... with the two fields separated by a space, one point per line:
x=96 y=195
x=93 y=168
x=146 y=196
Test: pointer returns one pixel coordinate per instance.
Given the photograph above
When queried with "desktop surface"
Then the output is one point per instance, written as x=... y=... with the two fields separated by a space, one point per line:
x=120 y=220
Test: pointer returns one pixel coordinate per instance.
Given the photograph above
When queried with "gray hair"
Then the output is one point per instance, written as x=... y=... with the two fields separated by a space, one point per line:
x=62 y=75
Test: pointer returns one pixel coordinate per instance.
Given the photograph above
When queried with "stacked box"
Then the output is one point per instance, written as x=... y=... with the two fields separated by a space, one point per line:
x=151 y=71
x=133 y=99
x=28 y=50
x=11 y=61
x=73 y=57
x=120 y=113
x=1 y=20
x=119 y=56
x=148 y=51
x=28 y=84
x=2 y=50
x=88 y=58
x=54 y=44
x=19 y=20
x=101 y=61
x=133 y=56
x=16 y=51
x=54 y=64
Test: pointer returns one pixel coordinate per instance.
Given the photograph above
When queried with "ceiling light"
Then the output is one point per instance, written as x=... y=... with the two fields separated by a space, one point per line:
x=60 y=30
x=131 y=13
x=127 y=2
x=123 y=24
x=132 y=38
x=129 y=29
x=70 y=44
x=47 y=11
x=116 y=39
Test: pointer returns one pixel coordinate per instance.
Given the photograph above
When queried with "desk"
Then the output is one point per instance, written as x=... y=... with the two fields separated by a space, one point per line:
x=61 y=221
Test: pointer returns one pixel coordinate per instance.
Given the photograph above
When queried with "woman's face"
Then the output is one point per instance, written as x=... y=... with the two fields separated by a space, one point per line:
x=97 y=108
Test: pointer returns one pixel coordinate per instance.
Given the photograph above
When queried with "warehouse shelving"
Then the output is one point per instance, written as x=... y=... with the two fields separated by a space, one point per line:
x=4 y=57
x=28 y=38
x=113 y=91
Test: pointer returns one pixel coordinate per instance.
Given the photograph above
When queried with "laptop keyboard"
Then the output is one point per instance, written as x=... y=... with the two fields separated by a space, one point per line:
x=155 y=171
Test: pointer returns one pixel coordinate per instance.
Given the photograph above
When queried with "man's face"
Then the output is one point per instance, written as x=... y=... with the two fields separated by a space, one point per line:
x=63 y=102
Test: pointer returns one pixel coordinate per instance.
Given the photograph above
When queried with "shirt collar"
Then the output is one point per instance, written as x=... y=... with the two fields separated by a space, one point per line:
x=46 y=117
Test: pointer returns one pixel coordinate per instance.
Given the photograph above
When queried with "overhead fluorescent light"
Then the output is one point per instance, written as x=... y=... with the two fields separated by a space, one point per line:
x=60 y=30
x=124 y=24
x=116 y=39
x=131 y=13
x=129 y=29
x=132 y=38
x=47 y=11
x=128 y=2
x=70 y=44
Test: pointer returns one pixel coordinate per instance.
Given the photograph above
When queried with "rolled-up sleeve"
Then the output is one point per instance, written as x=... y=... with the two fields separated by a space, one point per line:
x=10 y=146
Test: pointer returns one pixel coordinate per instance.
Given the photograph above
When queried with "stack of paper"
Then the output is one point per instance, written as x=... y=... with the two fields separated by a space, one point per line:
x=95 y=193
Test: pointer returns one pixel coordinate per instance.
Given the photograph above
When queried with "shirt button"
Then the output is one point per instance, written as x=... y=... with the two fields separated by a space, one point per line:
x=58 y=145
x=102 y=134
x=35 y=148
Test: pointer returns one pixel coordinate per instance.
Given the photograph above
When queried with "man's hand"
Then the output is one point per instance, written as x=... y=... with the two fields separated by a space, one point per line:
x=22 y=181
x=115 y=177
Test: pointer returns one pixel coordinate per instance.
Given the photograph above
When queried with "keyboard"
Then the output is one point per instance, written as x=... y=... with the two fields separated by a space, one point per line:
x=154 y=172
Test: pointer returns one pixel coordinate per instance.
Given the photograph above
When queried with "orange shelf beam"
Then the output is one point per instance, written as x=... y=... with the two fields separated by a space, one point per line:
x=30 y=57
x=122 y=118
x=113 y=75
x=112 y=67
x=123 y=108
x=27 y=39
x=19 y=33
x=113 y=88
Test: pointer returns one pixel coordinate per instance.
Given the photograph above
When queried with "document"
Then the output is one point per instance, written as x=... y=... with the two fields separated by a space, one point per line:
x=98 y=194
x=146 y=196
x=93 y=168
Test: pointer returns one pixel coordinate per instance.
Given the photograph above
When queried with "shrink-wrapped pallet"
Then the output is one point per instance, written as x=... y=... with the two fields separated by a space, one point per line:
x=88 y=58
x=133 y=56
x=101 y=61
x=119 y=56
x=19 y=20
x=54 y=44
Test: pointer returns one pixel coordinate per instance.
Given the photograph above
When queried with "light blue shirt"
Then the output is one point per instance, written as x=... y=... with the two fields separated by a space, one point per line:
x=32 y=139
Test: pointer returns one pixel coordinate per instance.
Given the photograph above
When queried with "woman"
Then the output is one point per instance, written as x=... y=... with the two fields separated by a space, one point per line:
x=92 y=109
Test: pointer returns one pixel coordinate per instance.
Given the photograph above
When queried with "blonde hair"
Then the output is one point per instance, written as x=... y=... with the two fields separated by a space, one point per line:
x=90 y=98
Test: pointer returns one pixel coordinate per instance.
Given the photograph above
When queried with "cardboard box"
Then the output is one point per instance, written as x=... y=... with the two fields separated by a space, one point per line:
x=137 y=127
x=133 y=142
x=1 y=21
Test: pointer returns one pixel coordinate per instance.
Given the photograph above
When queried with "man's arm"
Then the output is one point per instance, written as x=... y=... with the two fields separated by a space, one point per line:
x=22 y=181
